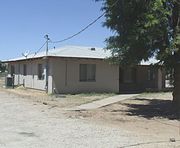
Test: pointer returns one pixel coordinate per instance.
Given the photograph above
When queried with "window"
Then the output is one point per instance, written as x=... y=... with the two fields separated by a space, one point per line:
x=40 y=72
x=87 y=72
x=151 y=74
x=129 y=75
x=12 y=70
x=24 y=70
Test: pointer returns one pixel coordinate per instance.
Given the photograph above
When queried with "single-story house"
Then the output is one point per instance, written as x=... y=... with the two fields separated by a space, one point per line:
x=74 y=69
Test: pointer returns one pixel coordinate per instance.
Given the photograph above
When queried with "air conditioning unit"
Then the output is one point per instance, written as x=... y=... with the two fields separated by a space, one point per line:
x=9 y=81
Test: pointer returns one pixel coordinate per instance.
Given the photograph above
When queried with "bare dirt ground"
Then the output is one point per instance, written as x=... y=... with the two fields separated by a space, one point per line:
x=26 y=124
x=151 y=115
x=2 y=81
x=36 y=120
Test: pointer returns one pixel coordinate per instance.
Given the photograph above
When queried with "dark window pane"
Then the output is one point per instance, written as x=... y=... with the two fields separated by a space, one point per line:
x=87 y=72
x=151 y=74
x=24 y=70
x=40 y=72
x=12 y=70
x=83 y=72
x=91 y=70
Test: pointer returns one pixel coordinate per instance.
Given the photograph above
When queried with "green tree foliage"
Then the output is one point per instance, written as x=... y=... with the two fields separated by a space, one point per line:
x=2 y=67
x=142 y=29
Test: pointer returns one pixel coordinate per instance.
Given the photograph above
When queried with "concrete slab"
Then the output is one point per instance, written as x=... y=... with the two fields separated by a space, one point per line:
x=103 y=102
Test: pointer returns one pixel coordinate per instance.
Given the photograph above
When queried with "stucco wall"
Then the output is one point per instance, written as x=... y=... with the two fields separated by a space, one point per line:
x=65 y=74
x=64 y=77
x=142 y=83
x=31 y=79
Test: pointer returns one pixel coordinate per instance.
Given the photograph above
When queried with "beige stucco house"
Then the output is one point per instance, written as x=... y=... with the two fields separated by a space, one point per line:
x=74 y=69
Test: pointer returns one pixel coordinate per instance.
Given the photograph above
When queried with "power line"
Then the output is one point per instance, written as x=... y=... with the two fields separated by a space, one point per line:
x=70 y=37
x=39 y=49
x=74 y=35
x=85 y=28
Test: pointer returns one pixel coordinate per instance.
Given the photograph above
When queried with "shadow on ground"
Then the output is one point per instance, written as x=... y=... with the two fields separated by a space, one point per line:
x=152 y=108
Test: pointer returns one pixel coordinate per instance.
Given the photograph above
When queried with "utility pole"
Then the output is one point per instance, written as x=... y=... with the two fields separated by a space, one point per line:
x=47 y=41
x=47 y=62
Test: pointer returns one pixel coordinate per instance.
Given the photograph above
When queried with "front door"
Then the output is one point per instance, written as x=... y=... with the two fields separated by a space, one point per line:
x=127 y=79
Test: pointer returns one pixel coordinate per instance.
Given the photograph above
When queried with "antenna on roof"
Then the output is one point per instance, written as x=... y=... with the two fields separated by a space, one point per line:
x=25 y=54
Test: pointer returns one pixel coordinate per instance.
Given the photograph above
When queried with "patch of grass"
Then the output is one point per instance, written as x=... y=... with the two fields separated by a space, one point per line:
x=3 y=74
x=156 y=95
x=95 y=94
x=83 y=98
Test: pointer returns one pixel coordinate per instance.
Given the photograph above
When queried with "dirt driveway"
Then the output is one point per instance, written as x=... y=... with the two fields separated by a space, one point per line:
x=151 y=115
x=25 y=123
x=148 y=121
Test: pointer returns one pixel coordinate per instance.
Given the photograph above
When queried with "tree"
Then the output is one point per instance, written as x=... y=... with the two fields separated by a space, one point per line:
x=143 y=29
x=2 y=67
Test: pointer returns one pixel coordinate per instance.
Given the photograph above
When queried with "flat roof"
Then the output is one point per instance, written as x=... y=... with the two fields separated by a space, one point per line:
x=75 y=52
x=70 y=51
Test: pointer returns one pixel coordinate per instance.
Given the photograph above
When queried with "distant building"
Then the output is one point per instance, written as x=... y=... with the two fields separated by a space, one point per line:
x=73 y=69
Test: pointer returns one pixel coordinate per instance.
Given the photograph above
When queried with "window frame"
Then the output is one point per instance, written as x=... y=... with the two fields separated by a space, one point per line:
x=89 y=72
x=12 y=68
x=40 y=72
x=24 y=70
x=151 y=74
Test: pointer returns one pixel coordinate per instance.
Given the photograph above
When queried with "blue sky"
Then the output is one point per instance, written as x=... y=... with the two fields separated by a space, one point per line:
x=25 y=22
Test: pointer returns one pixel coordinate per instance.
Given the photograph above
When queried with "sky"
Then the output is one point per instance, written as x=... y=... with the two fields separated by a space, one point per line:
x=24 y=23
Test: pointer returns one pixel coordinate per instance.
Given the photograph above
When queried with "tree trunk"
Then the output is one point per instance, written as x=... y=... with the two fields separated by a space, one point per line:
x=176 y=91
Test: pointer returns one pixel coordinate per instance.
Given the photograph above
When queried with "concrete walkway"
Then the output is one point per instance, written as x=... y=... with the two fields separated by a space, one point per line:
x=103 y=102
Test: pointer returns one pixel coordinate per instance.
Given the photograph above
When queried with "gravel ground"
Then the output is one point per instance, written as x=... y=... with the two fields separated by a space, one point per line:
x=28 y=124
x=24 y=124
